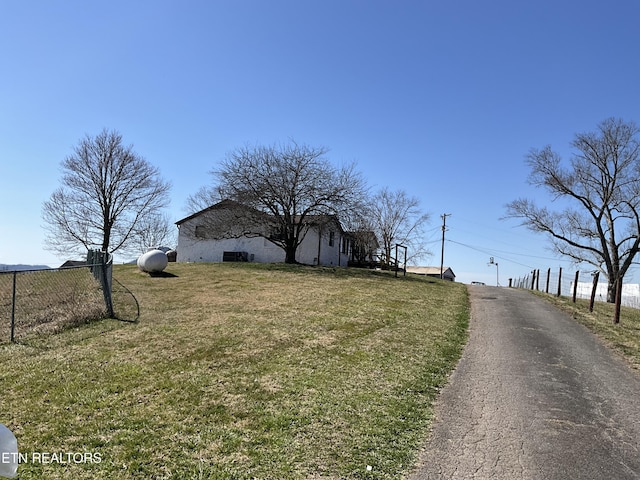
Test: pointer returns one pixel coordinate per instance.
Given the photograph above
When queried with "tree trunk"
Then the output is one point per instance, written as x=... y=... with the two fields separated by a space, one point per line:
x=290 y=254
x=105 y=243
x=612 y=288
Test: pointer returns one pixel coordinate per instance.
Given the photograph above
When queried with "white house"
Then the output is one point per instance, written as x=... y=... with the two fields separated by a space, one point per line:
x=201 y=238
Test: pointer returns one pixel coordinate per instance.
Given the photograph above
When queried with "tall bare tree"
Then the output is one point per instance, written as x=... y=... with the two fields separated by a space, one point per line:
x=397 y=218
x=601 y=182
x=107 y=190
x=293 y=186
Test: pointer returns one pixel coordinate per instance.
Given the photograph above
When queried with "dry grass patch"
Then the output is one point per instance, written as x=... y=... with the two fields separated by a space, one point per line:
x=623 y=337
x=242 y=371
x=48 y=301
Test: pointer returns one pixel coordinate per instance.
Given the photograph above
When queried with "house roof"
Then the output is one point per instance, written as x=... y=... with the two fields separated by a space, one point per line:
x=227 y=203
x=73 y=263
x=223 y=204
x=429 y=270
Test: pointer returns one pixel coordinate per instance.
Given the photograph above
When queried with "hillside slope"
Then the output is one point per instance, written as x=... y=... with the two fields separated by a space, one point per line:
x=241 y=371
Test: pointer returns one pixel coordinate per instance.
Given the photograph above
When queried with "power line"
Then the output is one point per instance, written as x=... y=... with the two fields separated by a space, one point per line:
x=555 y=259
x=491 y=253
x=508 y=231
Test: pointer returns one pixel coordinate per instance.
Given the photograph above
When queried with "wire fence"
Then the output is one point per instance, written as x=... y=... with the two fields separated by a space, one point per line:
x=576 y=283
x=48 y=301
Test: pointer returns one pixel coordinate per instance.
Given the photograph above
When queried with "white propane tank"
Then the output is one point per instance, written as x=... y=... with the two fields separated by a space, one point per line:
x=8 y=453
x=154 y=261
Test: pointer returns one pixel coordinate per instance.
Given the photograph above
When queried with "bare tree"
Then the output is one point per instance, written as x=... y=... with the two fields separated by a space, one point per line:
x=288 y=187
x=154 y=230
x=602 y=182
x=397 y=219
x=362 y=237
x=203 y=198
x=107 y=190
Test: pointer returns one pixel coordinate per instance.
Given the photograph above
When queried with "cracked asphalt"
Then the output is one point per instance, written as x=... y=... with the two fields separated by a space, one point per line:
x=535 y=396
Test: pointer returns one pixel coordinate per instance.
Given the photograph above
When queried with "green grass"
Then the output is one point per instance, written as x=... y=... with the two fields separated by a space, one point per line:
x=623 y=337
x=241 y=371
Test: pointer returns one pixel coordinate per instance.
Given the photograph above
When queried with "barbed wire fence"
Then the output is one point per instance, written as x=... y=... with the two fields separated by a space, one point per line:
x=48 y=301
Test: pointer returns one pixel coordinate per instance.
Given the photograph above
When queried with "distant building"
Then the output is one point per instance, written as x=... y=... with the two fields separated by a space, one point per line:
x=447 y=273
x=73 y=263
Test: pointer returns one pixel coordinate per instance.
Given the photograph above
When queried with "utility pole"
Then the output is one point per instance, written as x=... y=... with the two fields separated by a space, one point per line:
x=444 y=229
x=493 y=262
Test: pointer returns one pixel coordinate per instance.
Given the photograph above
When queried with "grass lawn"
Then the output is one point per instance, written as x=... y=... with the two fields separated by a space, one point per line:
x=623 y=337
x=240 y=371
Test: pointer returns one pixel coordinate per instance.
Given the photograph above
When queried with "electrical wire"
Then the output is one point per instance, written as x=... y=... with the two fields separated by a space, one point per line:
x=492 y=253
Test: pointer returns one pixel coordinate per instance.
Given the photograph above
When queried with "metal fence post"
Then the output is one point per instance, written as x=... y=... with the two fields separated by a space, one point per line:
x=575 y=286
x=98 y=264
x=106 y=283
x=13 y=308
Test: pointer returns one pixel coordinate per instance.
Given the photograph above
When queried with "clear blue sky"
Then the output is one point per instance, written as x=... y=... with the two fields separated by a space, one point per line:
x=441 y=99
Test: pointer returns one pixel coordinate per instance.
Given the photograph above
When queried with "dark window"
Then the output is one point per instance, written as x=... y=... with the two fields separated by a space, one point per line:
x=331 y=238
x=277 y=233
x=345 y=245
x=200 y=231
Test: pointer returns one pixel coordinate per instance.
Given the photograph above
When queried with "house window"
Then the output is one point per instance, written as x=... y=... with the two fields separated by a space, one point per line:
x=277 y=233
x=200 y=231
x=331 y=238
x=345 y=245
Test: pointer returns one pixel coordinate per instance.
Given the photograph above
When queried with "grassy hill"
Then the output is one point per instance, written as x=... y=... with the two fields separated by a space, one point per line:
x=240 y=371
x=623 y=337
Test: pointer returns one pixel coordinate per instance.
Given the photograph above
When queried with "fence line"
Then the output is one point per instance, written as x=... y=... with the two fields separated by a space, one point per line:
x=578 y=284
x=49 y=300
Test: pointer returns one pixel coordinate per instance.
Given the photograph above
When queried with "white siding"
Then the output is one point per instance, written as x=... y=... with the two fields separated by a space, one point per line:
x=314 y=247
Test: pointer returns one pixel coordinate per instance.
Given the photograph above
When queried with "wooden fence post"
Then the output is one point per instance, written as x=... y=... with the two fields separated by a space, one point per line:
x=575 y=286
x=593 y=290
x=616 y=315
x=548 y=277
x=397 y=263
x=560 y=282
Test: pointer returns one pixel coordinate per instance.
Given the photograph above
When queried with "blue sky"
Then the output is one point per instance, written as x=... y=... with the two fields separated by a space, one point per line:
x=441 y=99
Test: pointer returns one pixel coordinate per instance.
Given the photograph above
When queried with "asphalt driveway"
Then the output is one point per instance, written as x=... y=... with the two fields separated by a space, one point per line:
x=535 y=396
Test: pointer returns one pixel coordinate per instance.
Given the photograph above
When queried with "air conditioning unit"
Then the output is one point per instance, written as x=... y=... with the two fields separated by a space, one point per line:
x=235 y=257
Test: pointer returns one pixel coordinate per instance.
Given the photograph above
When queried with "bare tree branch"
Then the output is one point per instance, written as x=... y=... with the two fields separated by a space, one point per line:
x=153 y=230
x=397 y=218
x=603 y=180
x=292 y=185
x=107 y=189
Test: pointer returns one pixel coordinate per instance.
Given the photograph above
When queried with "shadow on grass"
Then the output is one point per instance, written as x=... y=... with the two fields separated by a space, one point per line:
x=162 y=275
